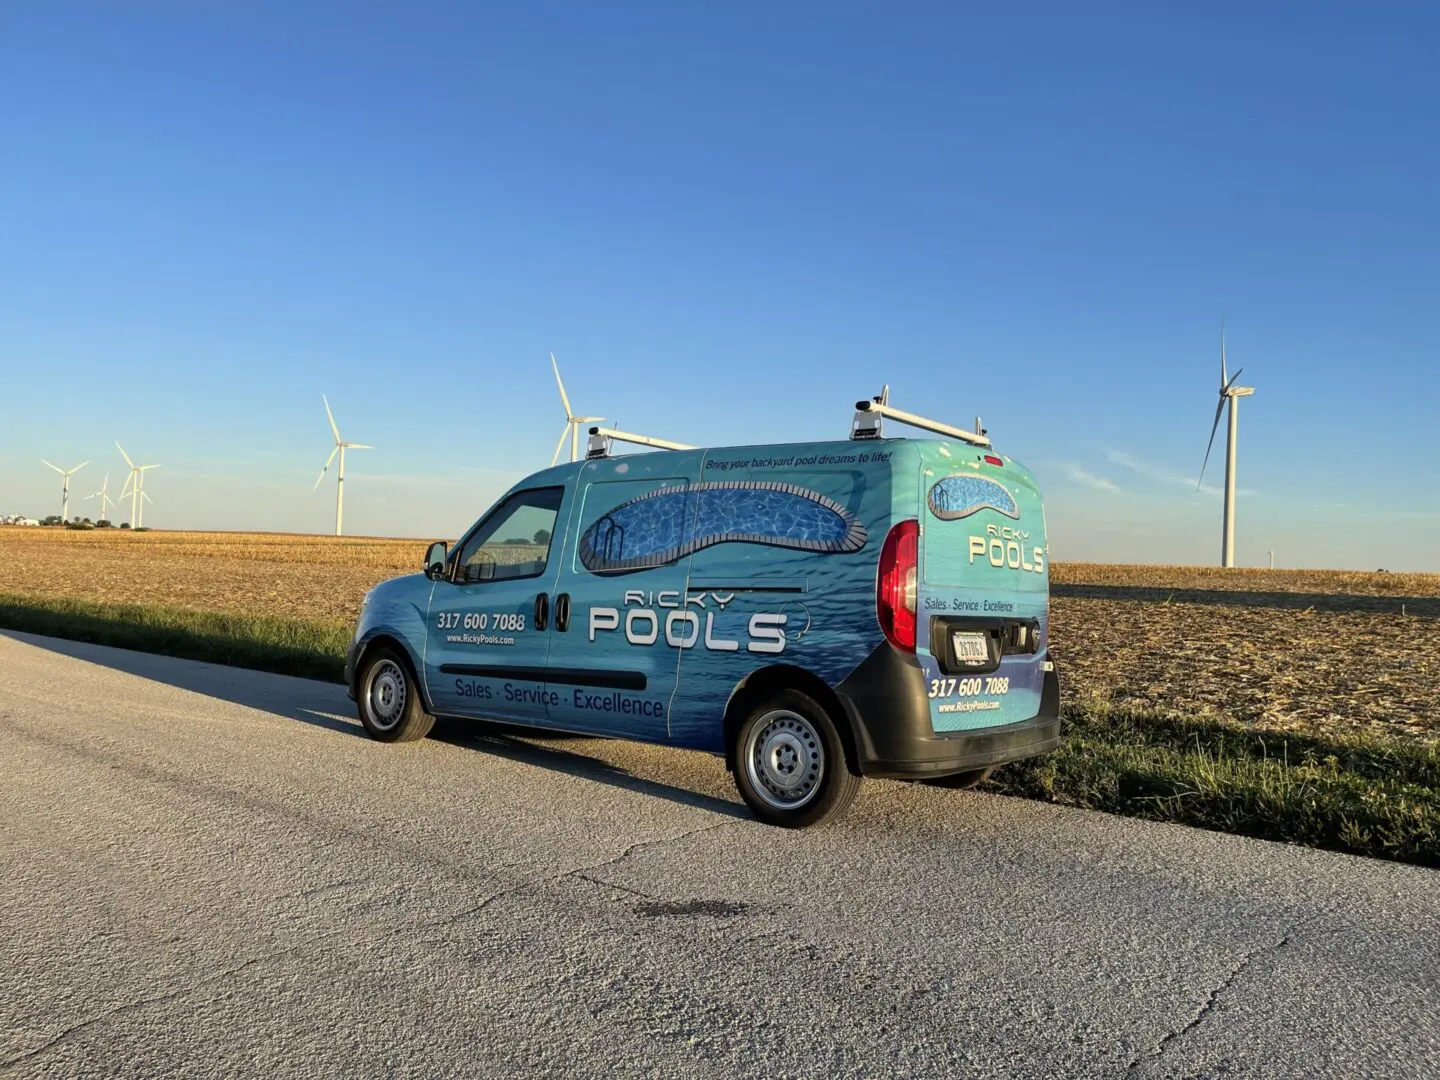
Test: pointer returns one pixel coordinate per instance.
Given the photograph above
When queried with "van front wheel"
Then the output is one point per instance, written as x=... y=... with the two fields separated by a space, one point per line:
x=790 y=764
x=389 y=701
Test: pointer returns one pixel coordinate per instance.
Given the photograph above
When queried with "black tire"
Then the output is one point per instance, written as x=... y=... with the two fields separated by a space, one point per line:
x=790 y=764
x=388 y=700
x=961 y=781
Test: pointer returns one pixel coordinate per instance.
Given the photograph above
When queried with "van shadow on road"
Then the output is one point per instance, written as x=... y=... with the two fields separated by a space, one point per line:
x=520 y=745
x=326 y=705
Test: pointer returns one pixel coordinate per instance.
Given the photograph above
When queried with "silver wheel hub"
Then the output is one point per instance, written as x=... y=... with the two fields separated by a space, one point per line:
x=386 y=694
x=785 y=759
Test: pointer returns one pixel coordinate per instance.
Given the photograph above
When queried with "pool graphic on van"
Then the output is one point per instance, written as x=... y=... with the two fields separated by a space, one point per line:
x=961 y=495
x=670 y=523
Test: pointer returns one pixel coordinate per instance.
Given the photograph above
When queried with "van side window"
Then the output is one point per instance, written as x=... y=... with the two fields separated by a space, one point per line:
x=514 y=541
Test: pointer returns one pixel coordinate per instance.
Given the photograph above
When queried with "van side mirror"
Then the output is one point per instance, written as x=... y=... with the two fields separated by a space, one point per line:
x=435 y=560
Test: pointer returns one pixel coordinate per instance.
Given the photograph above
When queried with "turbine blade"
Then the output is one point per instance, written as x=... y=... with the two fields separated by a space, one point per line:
x=146 y=496
x=358 y=446
x=564 y=434
x=1233 y=381
x=327 y=467
x=55 y=467
x=124 y=454
x=564 y=398
x=1222 y=351
x=1213 y=428
x=331 y=415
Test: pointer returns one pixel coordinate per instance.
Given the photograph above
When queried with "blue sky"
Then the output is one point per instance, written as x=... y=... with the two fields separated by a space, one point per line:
x=728 y=222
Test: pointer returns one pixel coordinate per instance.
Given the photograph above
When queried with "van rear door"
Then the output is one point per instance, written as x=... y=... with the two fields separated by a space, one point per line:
x=983 y=588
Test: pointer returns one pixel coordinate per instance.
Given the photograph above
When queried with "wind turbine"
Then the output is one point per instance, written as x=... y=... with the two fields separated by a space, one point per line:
x=65 y=488
x=573 y=423
x=340 y=447
x=138 y=496
x=104 y=496
x=1231 y=394
x=132 y=487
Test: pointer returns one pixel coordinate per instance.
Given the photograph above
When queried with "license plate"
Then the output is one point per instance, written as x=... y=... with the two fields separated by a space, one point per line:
x=970 y=646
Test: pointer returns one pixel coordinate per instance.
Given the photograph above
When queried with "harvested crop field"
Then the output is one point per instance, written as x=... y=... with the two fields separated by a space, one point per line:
x=1314 y=651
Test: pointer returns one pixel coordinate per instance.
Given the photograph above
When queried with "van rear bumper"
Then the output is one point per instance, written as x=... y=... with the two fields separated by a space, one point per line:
x=889 y=712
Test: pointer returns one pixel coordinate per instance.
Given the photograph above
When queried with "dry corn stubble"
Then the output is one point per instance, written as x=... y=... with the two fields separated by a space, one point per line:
x=1315 y=651
x=1168 y=579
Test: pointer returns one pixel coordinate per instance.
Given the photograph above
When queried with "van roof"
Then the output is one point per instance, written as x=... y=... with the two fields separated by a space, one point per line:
x=566 y=469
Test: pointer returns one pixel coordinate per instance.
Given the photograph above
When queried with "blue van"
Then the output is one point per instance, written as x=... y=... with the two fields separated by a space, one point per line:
x=815 y=612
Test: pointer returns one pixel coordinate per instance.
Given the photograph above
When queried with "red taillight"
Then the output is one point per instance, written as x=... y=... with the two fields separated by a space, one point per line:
x=993 y=460
x=896 y=584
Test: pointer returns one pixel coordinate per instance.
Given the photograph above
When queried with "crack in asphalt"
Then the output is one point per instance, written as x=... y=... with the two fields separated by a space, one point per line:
x=159 y=999
x=1210 y=1002
x=1226 y=982
x=610 y=885
x=191 y=986
x=582 y=872
x=633 y=848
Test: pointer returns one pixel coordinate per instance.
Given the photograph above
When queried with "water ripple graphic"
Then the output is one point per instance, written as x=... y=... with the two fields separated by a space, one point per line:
x=960 y=496
x=670 y=523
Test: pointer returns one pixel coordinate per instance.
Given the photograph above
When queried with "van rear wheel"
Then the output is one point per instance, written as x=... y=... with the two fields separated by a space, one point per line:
x=389 y=701
x=790 y=763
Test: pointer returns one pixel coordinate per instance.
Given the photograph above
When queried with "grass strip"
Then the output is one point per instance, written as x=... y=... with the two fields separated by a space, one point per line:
x=1360 y=794
x=313 y=650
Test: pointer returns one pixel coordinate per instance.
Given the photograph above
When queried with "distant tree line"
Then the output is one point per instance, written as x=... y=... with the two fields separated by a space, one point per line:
x=55 y=520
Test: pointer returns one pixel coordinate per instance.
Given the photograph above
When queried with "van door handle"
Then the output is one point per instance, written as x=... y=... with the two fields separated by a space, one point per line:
x=542 y=609
x=562 y=612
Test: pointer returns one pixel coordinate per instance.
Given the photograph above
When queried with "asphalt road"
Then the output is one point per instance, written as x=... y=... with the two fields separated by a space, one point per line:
x=212 y=872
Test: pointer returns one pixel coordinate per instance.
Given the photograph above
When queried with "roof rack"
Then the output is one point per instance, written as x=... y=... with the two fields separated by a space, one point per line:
x=600 y=439
x=869 y=415
x=867 y=424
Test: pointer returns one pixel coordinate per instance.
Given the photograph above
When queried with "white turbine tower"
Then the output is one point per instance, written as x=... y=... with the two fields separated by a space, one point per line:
x=573 y=423
x=340 y=447
x=65 y=487
x=104 y=496
x=144 y=498
x=133 y=485
x=1231 y=394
